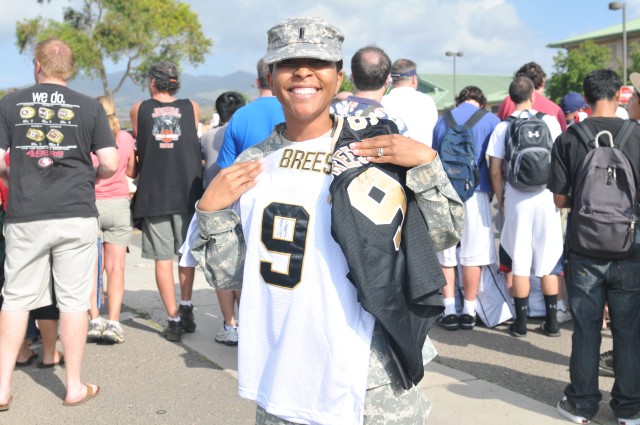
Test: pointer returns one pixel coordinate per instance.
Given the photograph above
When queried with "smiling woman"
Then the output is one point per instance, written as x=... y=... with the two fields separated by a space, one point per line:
x=305 y=88
x=311 y=351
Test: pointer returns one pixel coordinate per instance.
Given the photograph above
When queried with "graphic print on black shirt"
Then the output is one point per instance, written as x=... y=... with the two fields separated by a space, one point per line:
x=166 y=125
x=45 y=120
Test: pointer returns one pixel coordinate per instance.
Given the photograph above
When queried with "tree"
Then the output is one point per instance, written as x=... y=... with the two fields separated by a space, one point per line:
x=346 y=85
x=136 y=33
x=573 y=66
x=634 y=52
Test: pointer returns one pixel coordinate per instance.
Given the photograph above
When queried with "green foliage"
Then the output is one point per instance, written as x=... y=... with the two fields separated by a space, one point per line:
x=634 y=54
x=137 y=33
x=346 y=85
x=572 y=67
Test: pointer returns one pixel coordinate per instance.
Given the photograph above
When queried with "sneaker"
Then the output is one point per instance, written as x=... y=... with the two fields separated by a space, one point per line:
x=450 y=322
x=634 y=420
x=96 y=329
x=186 y=316
x=467 y=322
x=173 y=331
x=569 y=411
x=513 y=331
x=563 y=316
x=228 y=337
x=605 y=366
x=545 y=330
x=113 y=333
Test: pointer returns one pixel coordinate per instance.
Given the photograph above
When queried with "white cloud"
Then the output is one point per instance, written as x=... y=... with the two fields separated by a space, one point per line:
x=493 y=38
x=496 y=36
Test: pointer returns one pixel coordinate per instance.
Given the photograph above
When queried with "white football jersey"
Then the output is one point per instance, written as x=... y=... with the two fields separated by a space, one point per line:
x=305 y=339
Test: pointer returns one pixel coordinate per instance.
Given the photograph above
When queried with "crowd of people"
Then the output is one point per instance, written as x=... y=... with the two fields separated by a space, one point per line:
x=279 y=201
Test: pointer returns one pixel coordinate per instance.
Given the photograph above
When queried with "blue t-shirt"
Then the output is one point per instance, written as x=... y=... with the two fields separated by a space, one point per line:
x=481 y=133
x=249 y=125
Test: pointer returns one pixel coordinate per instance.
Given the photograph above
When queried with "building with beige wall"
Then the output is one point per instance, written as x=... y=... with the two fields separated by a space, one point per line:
x=610 y=37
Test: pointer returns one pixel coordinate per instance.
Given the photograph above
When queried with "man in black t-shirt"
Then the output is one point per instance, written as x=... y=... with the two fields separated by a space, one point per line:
x=51 y=227
x=593 y=280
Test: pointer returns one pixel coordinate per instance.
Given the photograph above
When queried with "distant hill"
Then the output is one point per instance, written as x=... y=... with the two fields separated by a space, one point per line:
x=204 y=89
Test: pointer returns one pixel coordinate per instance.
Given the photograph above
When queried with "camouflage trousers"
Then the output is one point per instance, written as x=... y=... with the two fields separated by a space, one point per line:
x=386 y=405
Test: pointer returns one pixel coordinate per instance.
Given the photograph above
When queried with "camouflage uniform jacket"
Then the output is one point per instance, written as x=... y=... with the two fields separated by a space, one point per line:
x=220 y=246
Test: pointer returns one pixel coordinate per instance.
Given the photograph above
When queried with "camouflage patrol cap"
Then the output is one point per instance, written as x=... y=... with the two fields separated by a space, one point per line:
x=304 y=38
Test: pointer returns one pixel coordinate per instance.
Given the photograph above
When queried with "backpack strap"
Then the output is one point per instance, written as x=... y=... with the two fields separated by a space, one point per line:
x=584 y=134
x=477 y=116
x=540 y=115
x=623 y=133
x=448 y=118
x=368 y=111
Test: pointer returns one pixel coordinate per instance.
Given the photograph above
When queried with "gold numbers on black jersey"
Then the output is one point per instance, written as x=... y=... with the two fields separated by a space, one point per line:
x=360 y=123
x=379 y=197
x=284 y=235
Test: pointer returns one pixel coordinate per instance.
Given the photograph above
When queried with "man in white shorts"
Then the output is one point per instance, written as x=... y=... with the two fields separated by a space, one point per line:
x=477 y=246
x=531 y=233
x=51 y=214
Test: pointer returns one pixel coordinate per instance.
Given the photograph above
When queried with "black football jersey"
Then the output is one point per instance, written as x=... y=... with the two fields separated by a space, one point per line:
x=376 y=221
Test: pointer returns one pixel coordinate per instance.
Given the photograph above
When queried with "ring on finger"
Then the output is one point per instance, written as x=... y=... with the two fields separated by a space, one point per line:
x=380 y=152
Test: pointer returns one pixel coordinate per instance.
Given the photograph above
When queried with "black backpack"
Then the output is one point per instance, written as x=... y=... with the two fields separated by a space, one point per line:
x=527 y=152
x=604 y=209
x=457 y=153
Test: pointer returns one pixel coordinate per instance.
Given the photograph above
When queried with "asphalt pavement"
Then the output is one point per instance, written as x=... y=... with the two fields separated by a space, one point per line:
x=484 y=376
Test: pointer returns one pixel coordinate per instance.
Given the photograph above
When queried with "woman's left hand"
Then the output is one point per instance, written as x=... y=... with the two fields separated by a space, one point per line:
x=394 y=149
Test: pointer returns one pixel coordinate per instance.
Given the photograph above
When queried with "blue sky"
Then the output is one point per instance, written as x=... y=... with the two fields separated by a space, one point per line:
x=496 y=36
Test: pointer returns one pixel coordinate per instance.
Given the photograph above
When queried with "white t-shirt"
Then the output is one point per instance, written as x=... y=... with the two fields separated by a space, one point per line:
x=416 y=109
x=496 y=146
x=531 y=234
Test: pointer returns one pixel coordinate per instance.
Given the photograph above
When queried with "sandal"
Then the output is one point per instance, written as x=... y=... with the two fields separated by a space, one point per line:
x=32 y=357
x=90 y=394
x=60 y=362
x=5 y=407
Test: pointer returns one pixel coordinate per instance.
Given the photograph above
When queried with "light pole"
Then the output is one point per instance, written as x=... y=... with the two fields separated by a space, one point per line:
x=454 y=54
x=617 y=5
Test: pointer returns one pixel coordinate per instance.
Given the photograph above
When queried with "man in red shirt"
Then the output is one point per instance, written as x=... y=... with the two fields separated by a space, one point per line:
x=534 y=72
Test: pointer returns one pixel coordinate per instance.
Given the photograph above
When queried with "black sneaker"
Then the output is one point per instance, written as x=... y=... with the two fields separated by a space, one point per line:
x=450 y=322
x=173 y=331
x=467 y=322
x=186 y=315
x=544 y=328
x=513 y=331
x=605 y=365
x=569 y=411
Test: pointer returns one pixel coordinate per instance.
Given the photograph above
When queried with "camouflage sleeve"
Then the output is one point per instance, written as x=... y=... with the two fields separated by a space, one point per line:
x=440 y=204
x=220 y=248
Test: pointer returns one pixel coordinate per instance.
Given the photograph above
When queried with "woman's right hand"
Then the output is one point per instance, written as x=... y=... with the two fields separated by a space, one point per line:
x=229 y=184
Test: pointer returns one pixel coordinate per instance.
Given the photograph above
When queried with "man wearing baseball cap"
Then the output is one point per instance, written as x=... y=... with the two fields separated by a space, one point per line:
x=309 y=352
x=169 y=183
x=573 y=106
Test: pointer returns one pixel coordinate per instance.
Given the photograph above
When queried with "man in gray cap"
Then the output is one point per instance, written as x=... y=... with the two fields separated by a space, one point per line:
x=310 y=353
x=170 y=182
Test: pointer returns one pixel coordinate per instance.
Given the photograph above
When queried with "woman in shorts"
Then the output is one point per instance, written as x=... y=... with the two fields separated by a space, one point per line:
x=114 y=221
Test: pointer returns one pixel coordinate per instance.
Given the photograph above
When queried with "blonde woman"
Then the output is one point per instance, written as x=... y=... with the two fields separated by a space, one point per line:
x=114 y=221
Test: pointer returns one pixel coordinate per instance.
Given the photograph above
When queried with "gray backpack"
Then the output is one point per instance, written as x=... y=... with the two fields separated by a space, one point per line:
x=604 y=209
x=527 y=152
